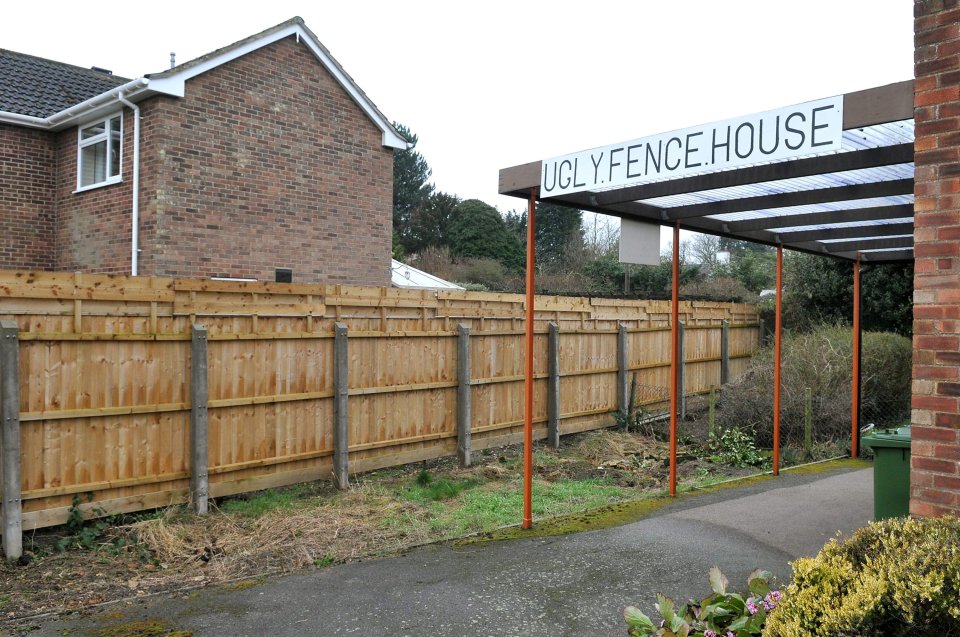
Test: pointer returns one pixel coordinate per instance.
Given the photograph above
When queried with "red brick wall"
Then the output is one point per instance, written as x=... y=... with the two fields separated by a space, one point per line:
x=267 y=162
x=27 y=161
x=935 y=470
x=94 y=226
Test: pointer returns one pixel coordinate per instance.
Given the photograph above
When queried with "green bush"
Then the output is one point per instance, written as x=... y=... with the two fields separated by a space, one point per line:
x=897 y=577
x=736 y=448
x=821 y=360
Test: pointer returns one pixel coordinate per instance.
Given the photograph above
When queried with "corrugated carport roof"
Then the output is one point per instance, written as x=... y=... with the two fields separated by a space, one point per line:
x=855 y=201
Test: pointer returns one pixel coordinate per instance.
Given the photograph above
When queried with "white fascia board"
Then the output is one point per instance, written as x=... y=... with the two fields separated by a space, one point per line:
x=173 y=86
x=390 y=137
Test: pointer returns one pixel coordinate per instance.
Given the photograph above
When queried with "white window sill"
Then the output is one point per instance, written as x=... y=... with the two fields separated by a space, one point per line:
x=113 y=180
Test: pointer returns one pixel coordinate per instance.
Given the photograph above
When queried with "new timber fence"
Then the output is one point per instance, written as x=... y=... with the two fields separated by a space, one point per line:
x=148 y=391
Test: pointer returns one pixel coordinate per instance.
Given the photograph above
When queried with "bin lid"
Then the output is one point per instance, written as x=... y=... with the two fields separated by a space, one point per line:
x=898 y=437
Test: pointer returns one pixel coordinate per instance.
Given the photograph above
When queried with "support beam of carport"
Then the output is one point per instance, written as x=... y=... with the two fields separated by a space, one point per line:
x=855 y=389
x=778 y=338
x=674 y=356
x=850 y=215
x=852 y=232
x=799 y=198
x=808 y=167
x=528 y=367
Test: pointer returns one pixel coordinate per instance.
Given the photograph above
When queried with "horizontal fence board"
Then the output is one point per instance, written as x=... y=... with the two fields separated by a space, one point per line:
x=105 y=365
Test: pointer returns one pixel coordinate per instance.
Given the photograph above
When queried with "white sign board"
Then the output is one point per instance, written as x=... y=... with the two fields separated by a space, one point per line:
x=639 y=242
x=804 y=129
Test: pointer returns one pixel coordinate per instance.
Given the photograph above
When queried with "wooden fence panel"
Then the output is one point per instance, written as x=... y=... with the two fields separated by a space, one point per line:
x=105 y=368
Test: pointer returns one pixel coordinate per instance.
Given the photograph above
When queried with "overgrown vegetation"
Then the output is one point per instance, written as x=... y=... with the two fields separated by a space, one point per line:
x=821 y=361
x=896 y=577
x=313 y=525
x=736 y=448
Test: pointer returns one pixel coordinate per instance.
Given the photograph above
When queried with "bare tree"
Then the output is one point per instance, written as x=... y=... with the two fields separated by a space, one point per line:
x=601 y=235
x=704 y=249
x=685 y=252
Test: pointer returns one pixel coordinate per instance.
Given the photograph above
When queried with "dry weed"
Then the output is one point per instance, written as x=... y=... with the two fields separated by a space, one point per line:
x=228 y=546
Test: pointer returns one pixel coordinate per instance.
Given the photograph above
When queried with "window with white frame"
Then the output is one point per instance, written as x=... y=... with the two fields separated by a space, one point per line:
x=98 y=152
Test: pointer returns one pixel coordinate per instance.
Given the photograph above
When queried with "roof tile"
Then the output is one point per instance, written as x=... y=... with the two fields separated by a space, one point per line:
x=39 y=87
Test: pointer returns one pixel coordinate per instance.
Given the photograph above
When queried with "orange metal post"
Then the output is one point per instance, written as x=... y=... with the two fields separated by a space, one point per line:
x=778 y=337
x=674 y=354
x=855 y=407
x=528 y=371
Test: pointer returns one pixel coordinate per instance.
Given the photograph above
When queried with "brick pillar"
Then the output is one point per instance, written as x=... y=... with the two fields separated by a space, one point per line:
x=935 y=469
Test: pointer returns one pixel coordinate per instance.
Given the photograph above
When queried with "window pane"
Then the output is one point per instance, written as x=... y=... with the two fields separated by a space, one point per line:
x=93 y=163
x=90 y=131
x=115 y=145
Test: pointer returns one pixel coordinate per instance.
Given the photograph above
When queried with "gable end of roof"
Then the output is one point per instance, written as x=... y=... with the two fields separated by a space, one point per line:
x=293 y=27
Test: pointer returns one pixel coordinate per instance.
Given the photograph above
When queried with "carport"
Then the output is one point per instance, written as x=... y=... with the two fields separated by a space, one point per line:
x=834 y=177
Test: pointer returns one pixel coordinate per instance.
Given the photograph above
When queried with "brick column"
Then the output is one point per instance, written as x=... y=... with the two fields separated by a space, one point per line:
x=935 y=468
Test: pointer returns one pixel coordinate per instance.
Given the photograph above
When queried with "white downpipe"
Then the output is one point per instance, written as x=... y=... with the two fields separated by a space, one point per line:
x=135 y=234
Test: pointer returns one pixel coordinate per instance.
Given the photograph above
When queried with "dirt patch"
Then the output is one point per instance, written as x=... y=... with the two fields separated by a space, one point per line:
x=315 y=526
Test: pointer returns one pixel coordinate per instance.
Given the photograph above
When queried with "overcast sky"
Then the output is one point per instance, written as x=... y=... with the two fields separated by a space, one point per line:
x=493 y=84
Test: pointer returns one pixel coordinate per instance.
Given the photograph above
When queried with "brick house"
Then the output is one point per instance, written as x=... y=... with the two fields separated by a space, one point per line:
x=935 y=471
x=261 y=155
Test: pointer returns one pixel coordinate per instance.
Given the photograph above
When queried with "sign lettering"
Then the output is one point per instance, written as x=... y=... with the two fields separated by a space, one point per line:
x=804 y=129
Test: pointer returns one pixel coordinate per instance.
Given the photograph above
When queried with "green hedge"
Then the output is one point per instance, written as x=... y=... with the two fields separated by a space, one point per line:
x=892 y=578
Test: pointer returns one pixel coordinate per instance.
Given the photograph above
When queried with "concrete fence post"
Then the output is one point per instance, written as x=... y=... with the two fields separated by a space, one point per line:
x=341 y=389
x=10 y=439
x=553 y=386
x=199 y=457
x=622 y=370
x=464 y=415
x=682 y=372
x=725 y=353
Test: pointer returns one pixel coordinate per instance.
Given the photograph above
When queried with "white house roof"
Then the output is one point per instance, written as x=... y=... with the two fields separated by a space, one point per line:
x=405 y=276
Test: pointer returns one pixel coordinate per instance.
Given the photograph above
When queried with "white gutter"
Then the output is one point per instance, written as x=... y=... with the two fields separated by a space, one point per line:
x=135 y=222
x=98 y=100
x=22 y=120
x=66 y=115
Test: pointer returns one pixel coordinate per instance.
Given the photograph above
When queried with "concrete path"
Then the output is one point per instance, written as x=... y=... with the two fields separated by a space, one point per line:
x=571 y=585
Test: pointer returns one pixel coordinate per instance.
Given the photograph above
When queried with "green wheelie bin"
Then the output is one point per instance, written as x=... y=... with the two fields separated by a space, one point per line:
x=891 y=471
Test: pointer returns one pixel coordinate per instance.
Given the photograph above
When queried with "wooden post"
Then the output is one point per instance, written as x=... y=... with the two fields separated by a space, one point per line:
x=622 y=365
x=199 y=481
x=553 y=386
x=341 y=460
x=808 y=423
x=725 y=353
x=712 y=412
x=10 y=439
x=762 y=326
x=682 y=371
x=463 y=395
